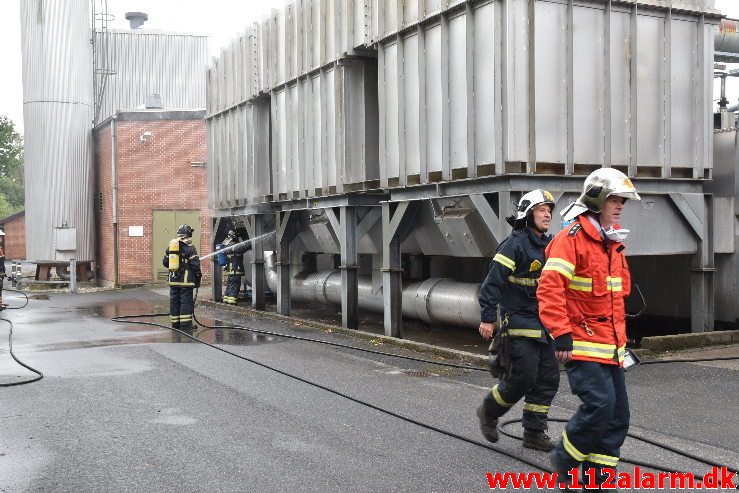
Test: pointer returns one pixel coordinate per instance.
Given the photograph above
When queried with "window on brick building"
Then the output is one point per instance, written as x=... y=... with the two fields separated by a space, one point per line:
x=98 y=201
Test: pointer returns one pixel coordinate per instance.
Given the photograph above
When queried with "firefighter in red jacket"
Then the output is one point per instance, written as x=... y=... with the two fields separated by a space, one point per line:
x=581 y=296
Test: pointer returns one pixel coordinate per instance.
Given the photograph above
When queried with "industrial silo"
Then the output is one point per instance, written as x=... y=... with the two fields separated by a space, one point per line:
x=58 y=113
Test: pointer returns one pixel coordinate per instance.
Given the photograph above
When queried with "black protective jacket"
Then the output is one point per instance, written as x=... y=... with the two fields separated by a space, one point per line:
x=188 y=274
x=235 y=258
x=511 y=284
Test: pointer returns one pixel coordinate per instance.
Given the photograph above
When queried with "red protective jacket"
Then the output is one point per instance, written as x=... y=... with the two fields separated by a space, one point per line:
x=582 y=290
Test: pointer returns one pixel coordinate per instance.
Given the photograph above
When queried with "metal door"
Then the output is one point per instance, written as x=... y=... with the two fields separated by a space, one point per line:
x=165 y=224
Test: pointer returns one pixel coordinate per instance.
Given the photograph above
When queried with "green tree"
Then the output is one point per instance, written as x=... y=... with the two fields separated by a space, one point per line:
x=12 y=192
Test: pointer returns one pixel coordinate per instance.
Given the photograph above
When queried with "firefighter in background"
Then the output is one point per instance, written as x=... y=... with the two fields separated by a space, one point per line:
x=582 y=294
x=181 y=258
x=529 y=368
x=234 y=268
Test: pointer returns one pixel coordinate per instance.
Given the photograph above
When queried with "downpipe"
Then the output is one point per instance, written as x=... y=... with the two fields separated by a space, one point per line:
x=437 y=301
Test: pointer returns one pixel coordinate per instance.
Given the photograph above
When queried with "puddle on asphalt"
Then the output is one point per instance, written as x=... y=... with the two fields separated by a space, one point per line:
x=163 y=337
x=38 y=297
x=134 y=333
x=235 y=337
x=124 y=308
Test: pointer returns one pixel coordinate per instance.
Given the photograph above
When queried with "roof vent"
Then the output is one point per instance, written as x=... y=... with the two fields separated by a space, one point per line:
x=154 y=102
x=136 y=19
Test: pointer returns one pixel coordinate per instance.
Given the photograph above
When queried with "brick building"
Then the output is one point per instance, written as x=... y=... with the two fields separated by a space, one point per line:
x=151 y=175
x=15 y=235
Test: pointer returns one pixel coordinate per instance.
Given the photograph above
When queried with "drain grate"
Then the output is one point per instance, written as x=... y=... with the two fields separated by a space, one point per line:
x=418 y=373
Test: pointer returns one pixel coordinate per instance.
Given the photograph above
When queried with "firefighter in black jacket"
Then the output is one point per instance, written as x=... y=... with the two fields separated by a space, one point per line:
x=234 y=266
x=530 y=367
x=181 y=258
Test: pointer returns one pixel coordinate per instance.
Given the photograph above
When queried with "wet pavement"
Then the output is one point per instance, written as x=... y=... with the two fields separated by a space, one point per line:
x=127 y=407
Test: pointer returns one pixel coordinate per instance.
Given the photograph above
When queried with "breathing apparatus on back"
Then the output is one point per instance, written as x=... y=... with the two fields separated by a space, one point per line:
x=183 y=232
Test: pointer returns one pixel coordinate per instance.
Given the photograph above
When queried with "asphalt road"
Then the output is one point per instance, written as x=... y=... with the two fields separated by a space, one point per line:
x=124 y=407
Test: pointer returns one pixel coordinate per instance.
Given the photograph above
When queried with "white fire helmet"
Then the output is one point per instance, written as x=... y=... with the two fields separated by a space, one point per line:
x=599 y=185
x=531 y=200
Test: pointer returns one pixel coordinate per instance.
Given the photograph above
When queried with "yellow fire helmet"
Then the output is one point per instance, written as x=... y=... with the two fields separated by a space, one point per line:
x=599 y=185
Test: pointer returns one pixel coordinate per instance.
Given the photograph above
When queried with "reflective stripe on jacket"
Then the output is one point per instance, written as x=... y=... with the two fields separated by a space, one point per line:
x=582 y=290
x=511 y=284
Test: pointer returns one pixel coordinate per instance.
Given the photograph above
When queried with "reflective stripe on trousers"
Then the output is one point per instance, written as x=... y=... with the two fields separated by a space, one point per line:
x=598 y=429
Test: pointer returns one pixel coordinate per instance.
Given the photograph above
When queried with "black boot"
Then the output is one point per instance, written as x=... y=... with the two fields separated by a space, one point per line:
x=488 y=425
x=537 y=440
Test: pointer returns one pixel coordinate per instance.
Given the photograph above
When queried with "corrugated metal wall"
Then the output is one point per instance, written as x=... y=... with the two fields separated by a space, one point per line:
x=588 y=86
x=149 y=62
x=57 y=113
x=465 y=90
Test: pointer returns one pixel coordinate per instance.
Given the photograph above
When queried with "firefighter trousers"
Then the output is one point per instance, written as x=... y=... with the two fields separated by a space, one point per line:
x=533 y=374
x=232 y=289
x=594 y=435
x=180 y=306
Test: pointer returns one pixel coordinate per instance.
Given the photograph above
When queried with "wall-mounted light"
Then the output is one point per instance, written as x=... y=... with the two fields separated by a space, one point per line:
x=145 y=137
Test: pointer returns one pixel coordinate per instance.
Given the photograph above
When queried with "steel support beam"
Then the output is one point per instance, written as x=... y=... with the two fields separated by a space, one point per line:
x=490 y=184
x=349 y=267
x=217 y=285
x=496 y=224
x=255 y=228
x=702 y=295
x=396 y=225
x=368 y=221
x=699 y=217
x=286 y=230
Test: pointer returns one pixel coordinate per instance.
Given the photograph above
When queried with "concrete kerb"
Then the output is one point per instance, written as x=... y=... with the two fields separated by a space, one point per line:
x=446 y=353
x=690 y=341
x=651 y=346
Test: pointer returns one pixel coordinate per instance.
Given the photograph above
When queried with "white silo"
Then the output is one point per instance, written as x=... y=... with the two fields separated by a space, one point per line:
x=58 y=113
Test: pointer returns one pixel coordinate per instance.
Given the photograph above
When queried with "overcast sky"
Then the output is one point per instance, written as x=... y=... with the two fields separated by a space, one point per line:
x=221 y=19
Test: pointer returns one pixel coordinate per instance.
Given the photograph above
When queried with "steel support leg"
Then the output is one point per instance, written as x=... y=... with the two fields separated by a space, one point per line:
x=255 y=227
x=701 y=279
x=396 y=224
x=349 y=268
x=217 y=279
x=697 y=211
x=286 y=230
x=217 y=286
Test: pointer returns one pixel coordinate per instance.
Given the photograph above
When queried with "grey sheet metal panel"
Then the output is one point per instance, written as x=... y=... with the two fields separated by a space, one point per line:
x=292 y=42
x=310 y=34
x=239 y=156
x=264 y=51
x=322 y=132
x=656 y=227
x=57 y=112
x=391 y=16
x=638 y=106
x=258 y=151
x=172 y=65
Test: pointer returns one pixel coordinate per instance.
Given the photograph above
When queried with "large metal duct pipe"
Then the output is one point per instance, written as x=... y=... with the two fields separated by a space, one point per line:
x=57 y=117
x=726 y=37
x=435 y=301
